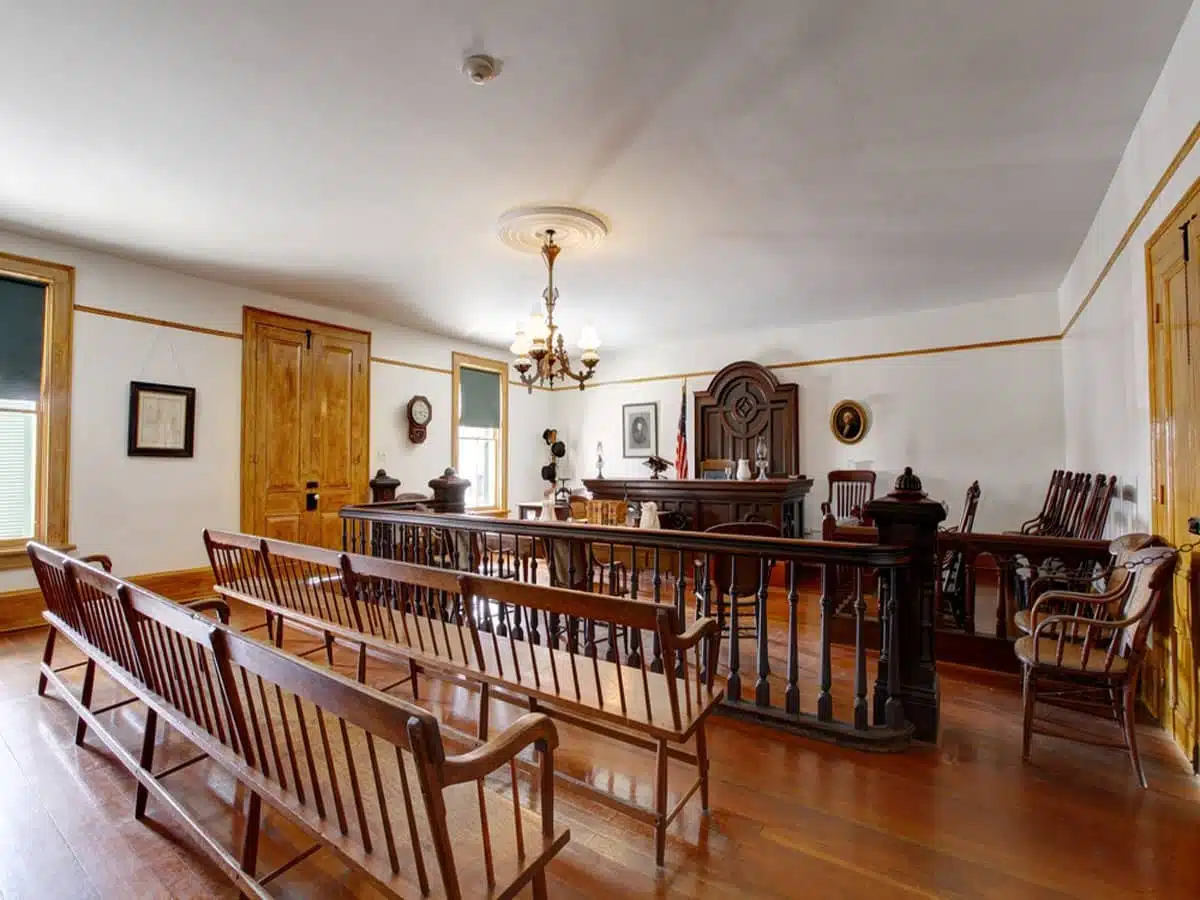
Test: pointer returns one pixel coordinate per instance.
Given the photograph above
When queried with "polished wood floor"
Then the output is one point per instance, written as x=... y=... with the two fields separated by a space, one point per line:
x=791 y=817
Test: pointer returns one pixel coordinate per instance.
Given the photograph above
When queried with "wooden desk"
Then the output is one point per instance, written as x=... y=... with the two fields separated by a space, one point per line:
x=703 y=504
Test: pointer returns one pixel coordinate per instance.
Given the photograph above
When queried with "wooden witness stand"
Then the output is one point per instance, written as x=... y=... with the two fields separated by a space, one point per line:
x=471 y=629
x=198 y=677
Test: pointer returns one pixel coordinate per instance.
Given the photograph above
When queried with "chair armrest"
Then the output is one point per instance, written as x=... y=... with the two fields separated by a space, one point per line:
x=98 y=559
x=1057 y=622
x=531 y=728
x=700 y=629
x=220 y=607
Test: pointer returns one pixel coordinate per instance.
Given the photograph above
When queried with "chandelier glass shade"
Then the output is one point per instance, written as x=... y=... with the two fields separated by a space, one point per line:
x=541 y=353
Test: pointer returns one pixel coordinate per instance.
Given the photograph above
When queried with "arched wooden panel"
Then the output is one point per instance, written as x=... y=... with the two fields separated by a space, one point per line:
x=745 y=400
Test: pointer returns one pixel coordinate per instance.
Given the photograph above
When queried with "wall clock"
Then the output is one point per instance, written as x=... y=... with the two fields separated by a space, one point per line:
x=419 y=414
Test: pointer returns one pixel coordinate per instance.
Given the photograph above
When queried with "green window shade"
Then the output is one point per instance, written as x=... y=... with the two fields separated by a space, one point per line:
x=22 y=307
x=479 y=398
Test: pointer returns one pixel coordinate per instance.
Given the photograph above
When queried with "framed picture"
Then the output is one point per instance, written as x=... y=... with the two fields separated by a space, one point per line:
x=639 y=430
x=162 y=419
x=848 y=422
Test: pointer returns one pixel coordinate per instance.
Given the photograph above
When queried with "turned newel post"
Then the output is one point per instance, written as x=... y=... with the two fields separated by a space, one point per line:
x=383 y=487
x=449 y=492
x=909 y=518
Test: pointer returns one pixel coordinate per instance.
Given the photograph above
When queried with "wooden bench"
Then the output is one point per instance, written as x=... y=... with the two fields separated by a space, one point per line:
x=491 y=634
x=362 y=773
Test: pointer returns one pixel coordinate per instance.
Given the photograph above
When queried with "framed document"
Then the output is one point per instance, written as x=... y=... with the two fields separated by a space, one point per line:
x=162 y=419
x=639 y=425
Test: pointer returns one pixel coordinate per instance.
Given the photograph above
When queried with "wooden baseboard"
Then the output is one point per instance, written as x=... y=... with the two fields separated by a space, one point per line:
x=23 y=609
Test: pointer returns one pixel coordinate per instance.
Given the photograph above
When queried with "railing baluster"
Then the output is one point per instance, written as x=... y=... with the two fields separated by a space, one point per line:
x=656 y=660
x=893 y=709
x=791 y=696
x=762 y=687
x=861 y=720
x=825 y=697
x=733 y=683
x=681 y=608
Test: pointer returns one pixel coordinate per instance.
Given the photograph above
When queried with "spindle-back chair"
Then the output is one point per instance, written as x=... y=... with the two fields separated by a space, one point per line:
x=849 y=492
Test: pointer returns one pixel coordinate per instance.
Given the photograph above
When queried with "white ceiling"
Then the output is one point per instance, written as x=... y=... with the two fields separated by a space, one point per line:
x=761 y=162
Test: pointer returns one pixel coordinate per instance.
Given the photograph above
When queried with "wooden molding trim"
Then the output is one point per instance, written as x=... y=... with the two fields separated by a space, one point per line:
x=23 y=609
x=1169 y=173
x=161 y=323
x=385 y=361
x=837 y=360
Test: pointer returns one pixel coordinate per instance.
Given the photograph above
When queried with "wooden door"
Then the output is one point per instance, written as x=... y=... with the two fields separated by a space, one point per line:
x=1171 y=679
x=305 y=399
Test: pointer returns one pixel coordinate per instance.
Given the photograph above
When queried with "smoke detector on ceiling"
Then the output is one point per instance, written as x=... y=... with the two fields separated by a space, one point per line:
x=481 y=68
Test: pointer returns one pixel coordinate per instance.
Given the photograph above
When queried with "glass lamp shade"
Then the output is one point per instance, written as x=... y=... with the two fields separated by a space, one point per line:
x=521 y=345
x=537 y=329
x=588 y=339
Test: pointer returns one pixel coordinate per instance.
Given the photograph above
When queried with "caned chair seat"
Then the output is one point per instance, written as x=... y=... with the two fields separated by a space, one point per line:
x=1072 y=657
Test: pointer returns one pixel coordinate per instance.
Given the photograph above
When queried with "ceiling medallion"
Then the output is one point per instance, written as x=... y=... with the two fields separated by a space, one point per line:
x=541 y=353
x=524 y=228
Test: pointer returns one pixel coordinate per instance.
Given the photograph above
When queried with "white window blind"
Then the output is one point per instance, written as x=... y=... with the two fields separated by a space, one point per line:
x=477 y=457
x=18 y=468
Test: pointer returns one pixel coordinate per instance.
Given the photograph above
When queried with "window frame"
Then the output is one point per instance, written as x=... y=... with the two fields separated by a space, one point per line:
x=52 y=491
x=461 y=361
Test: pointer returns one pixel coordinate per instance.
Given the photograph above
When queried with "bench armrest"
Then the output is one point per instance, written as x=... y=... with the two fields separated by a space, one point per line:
x=700 y=629
x=220 y=607
x=531 y=728
x=98 y=559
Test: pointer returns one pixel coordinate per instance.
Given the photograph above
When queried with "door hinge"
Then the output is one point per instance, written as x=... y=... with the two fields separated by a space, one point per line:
x=1157 y=313
x=308 y=338
x=1162 y=493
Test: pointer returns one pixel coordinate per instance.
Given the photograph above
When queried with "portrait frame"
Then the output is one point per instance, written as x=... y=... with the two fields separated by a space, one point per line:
x=849 y=434
x=162 y=420
x=631 y=446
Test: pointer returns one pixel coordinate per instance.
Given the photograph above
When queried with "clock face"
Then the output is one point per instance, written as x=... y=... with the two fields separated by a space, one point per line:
x=420 y=411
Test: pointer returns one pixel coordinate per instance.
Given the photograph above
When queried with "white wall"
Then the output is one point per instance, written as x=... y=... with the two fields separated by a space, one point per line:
x=989 y=414
x=148 y=513
x=1105 y=354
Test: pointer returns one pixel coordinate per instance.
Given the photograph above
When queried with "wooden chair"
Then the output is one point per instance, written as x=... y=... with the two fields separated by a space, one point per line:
x=953 y=585
x=734 y=584
x=715 y=469
x=849 y=492
x=1075 y=592
x=1090 y=660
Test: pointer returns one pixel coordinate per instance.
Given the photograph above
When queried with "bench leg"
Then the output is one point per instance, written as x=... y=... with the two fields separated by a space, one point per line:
x=146 y=762
x=250 y=840
x=47 y=656
x=270 y=626
x=329 y=648
x=539 y=886
x=702 y=764
x=660 y=804
x=362 y=663
x=278 y=636
x=89 y=679
x=412 y=671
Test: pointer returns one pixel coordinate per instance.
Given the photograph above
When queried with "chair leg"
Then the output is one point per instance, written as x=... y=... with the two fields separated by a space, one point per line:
x=47 y=657
x=1029 y=698
x=250 y=840
x=539 y=886
x=1129 y=725
x=702 y=764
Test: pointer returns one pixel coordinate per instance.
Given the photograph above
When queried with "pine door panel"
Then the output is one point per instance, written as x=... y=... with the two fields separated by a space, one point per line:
x=1170 y=685
x=306 y=429
x=281 y=455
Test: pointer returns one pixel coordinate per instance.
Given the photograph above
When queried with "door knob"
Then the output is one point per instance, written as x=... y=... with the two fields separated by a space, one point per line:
x=310 y=500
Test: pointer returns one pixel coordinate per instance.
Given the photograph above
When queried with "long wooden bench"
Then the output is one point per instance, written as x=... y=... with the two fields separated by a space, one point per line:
x=522 y=643
x=363 y=774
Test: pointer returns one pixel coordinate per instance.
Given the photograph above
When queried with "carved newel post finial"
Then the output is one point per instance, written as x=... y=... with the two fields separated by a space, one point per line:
x=383 y=487
x=906 y=688
x=449 y=492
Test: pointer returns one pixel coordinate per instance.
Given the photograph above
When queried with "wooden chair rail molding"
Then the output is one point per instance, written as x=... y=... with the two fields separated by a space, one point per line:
x=256 y=713
x=658 y=566
x=472 y=628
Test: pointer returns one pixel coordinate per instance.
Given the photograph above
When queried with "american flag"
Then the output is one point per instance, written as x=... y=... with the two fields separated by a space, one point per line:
x=681 y=461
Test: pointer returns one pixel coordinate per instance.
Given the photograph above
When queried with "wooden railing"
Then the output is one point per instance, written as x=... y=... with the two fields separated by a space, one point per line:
x=727 y=576
x=979 y=587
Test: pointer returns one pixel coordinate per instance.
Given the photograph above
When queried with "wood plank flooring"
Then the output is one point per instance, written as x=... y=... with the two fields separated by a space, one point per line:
x=791 y=817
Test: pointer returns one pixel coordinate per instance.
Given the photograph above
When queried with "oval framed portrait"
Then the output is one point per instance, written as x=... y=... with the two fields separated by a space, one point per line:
x=848 y=422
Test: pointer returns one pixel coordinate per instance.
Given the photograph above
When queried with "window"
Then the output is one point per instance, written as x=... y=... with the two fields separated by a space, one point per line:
x=35 y=398
x=479 y=429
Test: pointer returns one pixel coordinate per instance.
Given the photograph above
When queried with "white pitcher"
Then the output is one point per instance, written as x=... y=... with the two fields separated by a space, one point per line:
x=743 y=470
x=649 y=515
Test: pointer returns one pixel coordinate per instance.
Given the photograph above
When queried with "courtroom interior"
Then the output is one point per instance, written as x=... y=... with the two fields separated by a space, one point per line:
x=640 y=448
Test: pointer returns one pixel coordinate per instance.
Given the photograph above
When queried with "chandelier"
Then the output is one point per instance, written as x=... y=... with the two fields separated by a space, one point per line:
x=541 y=352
